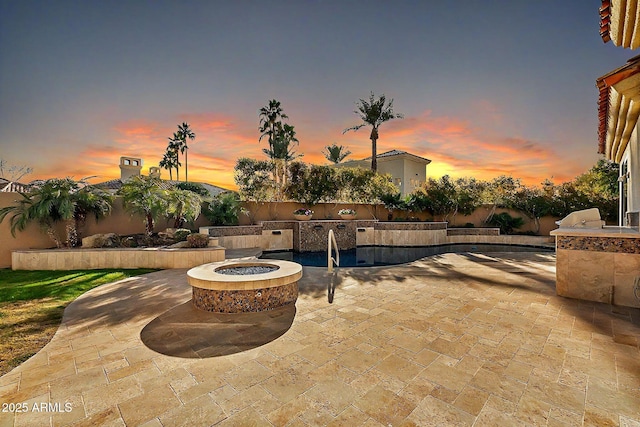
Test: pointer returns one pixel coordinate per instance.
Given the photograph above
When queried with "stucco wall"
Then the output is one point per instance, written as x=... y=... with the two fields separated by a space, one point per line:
x=395 y=168
x=413 y=171
x=633 y=150
x=121 y=222
x=33 y=237
x=284 y=211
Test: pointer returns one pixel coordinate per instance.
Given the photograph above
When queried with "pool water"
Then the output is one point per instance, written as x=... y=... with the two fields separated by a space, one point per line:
x=368 y=256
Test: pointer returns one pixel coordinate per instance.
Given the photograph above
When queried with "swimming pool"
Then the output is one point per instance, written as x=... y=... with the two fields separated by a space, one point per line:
x=368 y=256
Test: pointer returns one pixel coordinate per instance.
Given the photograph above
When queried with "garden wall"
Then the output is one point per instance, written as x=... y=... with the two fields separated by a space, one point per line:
x=122 y=223
x=283 y=211
x=33 y=237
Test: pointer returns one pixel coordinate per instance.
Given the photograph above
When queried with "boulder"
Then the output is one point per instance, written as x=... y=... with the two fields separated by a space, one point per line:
x=184 y=244
x=107 y=240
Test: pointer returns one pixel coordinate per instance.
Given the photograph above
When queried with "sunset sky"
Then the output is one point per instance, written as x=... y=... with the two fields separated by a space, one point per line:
x=487 y=88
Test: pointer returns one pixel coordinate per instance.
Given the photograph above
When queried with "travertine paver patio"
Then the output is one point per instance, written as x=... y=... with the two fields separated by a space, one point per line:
x=456 y=339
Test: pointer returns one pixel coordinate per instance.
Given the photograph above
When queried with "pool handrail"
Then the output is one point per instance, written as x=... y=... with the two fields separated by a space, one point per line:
x=331 y=241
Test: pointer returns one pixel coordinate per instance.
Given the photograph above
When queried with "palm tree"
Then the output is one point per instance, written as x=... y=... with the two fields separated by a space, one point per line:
x=335 y=153
x=183 y=133
x=281 y=154
x=170 y=160
x=281 y=138
x=143 y=195
x=89 y=200
x=270 y=119
x=58 y=200
x=373 y=113
x=183 y=206
x=175 y=144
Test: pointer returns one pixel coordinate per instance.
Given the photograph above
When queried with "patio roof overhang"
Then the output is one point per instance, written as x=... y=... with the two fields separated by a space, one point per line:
x=618 y=108
x=620 y=22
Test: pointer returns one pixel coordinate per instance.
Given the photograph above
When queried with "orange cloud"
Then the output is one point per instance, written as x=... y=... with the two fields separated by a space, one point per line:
x=457 y=146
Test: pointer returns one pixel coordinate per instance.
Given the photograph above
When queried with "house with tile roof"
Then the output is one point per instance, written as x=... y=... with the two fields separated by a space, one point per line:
x=7 y=186
x=408 y=171
x=132 y=166
x=619 y=103
x=595 y=262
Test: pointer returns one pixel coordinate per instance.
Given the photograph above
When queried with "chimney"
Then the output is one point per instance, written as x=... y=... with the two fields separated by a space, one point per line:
x=154 y=172
x=129 y=166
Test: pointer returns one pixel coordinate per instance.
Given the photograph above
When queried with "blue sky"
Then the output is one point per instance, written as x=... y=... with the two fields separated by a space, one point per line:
x=487 y=88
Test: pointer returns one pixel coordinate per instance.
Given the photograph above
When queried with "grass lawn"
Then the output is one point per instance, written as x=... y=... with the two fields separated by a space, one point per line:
x=32 y=303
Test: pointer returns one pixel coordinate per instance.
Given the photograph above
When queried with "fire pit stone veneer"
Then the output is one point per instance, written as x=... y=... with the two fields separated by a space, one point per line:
x=215 y=291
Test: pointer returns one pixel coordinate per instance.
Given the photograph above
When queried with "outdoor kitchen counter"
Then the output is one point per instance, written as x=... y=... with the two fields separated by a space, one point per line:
x=599 y=264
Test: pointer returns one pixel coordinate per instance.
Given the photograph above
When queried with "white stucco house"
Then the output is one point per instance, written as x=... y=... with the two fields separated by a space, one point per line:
x=596 y=262
x=408 y=171
x=619 y=104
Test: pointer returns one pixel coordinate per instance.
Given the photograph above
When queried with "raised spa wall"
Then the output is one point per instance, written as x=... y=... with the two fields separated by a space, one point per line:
x=306 y=236
x=600 y=265
x=309 y=236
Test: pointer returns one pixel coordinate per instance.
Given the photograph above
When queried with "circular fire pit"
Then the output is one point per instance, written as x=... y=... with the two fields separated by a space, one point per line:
x=244 y=286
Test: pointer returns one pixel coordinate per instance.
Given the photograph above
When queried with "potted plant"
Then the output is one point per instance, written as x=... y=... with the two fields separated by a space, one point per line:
x=347 y=214
x=303 y=214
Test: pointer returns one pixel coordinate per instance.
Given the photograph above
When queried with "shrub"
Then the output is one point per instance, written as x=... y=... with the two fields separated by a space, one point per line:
x=194 y=187
x=197 y=240
x=181 y=234
x=254 y=179
x=469 y=225
x=224 y=209
x=311 y=184
x=506 y=222
x=129 y=242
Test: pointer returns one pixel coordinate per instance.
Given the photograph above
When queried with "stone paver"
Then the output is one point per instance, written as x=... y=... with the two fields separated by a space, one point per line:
x=456 y=339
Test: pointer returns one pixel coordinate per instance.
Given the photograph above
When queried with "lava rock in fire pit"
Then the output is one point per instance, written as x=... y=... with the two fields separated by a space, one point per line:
x=241 y=271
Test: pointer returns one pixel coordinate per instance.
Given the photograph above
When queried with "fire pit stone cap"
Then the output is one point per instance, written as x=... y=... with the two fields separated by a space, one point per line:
x=206 y=277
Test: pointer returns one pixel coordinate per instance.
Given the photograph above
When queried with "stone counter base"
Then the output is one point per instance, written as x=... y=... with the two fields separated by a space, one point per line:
x=243 y=301
x=605 y=277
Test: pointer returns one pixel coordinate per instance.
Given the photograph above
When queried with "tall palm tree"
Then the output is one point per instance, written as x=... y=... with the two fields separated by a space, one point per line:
x=281 y=153
x=175 y=144
x=335 y=153
x=183 y=133
x=170 y=160
x=270 y=119
x=373 y=113
x=281 y=137
x=58 y=200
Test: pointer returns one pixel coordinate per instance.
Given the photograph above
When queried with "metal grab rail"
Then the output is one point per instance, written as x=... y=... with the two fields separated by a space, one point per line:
x=331 y=241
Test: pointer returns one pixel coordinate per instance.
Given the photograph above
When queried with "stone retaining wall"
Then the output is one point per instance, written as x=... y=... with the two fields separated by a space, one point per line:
x=304 y=236
x=92 y=259
x=509 y=239
x=473 y=231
